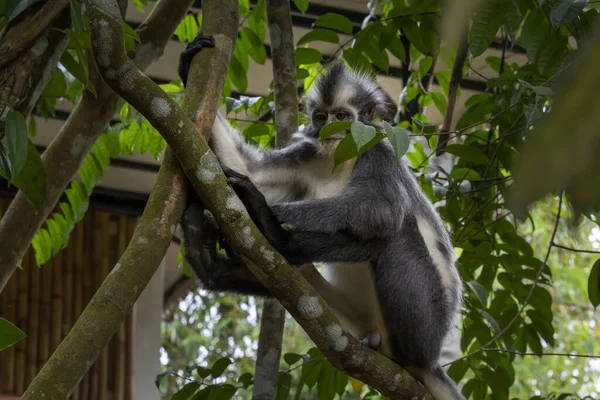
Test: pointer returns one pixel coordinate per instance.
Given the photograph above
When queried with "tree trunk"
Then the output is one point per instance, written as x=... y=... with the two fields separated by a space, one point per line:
x=286 y=123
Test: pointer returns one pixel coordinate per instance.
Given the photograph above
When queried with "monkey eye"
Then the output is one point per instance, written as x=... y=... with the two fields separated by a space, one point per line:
x=320 y=117
x=341 y=115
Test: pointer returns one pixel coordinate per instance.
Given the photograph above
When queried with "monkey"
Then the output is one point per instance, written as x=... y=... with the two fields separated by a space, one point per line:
x=390 y=265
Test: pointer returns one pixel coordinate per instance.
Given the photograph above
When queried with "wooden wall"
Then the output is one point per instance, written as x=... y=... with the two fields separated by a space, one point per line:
x=45 y=302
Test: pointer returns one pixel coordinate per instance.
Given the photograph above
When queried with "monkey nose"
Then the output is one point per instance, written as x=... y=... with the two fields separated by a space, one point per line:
x=331 y=119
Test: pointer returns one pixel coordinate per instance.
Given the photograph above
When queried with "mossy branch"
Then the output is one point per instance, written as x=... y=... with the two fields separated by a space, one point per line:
x=272 y=321
x=202 y=169
x=76 y=137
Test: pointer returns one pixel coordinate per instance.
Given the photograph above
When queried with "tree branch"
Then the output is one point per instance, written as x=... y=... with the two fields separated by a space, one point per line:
x=27 y=30
x=203 y=170
x=272 y=320
x=22 y=82
x=455 y=78
x=64 y=155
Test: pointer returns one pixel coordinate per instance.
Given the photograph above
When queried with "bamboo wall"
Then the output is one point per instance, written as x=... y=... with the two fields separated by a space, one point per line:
x=44 y=303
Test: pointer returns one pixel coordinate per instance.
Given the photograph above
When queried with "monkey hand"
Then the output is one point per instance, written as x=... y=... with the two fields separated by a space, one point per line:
x=257 y=207
x=194 y=47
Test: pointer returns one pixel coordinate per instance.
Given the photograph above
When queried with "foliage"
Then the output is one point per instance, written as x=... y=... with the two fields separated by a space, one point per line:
x=517 y=278
x=510 y=291
x=9 y=334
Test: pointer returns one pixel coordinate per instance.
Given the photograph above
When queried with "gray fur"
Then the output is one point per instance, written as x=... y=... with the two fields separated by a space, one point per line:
x=368 y=216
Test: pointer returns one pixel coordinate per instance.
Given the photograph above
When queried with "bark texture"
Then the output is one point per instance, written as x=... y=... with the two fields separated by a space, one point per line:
x=64 y=155
x=22 y=81
x=203 y=171
x=27 y=29
x=272 y=322
x=113 y=301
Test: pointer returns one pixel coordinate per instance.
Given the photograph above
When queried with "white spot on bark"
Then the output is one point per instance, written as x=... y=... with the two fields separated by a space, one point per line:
x=172 y=229
x=207 y=170
x=108 y=7
x=248 y=238
x=234 y=203
x=78 y=145
x=115 y=268
x=104 y=43
x=310 y=307
x=40 y=46
x=180 y=124
x=275 y=34
x=268 y=255
x=142 y=240
x=335 y=336
x=160 y=107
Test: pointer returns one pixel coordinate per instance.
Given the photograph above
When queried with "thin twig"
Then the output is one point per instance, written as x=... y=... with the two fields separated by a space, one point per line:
x=560 y=246
x=543 y=354
x=455 y=79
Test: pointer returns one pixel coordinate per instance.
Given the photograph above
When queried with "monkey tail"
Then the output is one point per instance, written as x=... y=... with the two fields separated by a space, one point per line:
x=438 y=383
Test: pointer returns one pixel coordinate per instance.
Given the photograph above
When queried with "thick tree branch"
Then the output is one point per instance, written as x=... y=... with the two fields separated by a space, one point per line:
x=272 y=321
x=203 y=170
x=455 y=78
x=64 y=155
x=22 y=81
x=22 y=34
x=113 y=301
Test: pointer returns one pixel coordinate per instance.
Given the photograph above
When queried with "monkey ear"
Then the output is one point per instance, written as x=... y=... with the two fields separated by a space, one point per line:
x=369 y=112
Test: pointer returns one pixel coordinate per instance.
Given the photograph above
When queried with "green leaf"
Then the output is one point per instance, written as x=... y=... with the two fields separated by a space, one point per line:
x=186 y=392
x=341 y=381
x=335 y=21
x=203 y=372
x=77 y=17
x=57 y=86
x=246 y=379
x=565 y=11
x=302 y=5
x=479 y=291
x=467 y=153
x=78 y=70
x=323 y=35
x=464 y=174
x=9 y=334
x=128 y=31
x=594 y=285
x=255 y=47
x=42 y=245
x=424 y=126
x=291 y=358
x=326 y=384
x=345 y=150
x=219 y=367
x=284 y=384
x=16 y=140
x=237 y=73
x=187 y=30
x=32 y=127
x=311 y=370
x=399 y=139
x=32 y=179
x=362 y=134
x=305 y=55
x=333 y=128
x=257 y=129
x=486 y=24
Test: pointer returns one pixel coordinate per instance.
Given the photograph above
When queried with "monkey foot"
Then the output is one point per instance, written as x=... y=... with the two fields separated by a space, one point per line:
x=194 y=47
x=372 y=340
